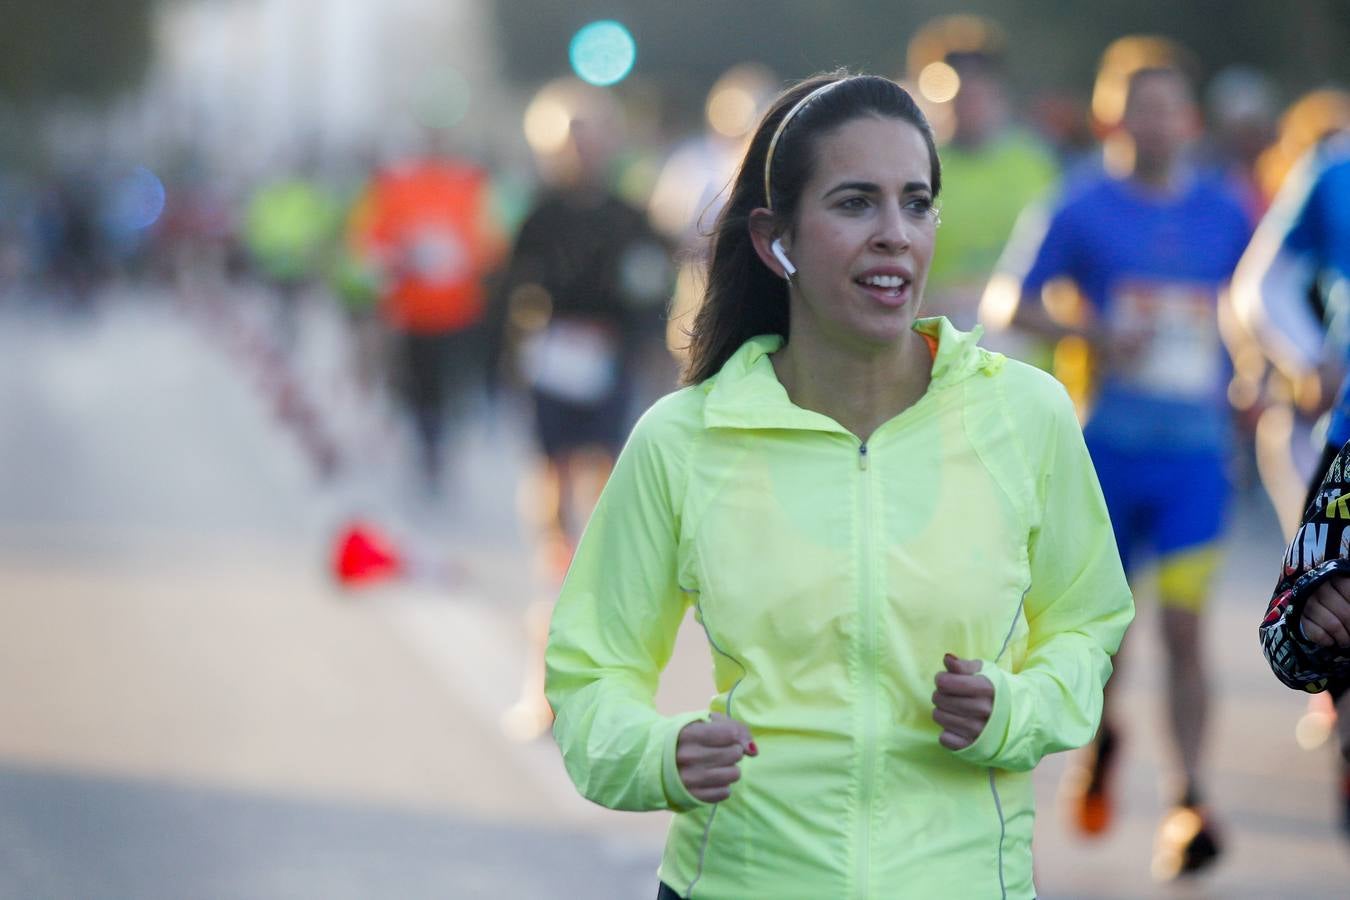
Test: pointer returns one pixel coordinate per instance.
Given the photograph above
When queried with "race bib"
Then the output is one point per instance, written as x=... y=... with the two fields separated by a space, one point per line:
x=573 y=361
x=438 y=256
x=1181 y=356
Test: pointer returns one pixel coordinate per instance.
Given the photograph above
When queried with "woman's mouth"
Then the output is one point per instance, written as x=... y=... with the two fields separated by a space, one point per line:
x=887 y=287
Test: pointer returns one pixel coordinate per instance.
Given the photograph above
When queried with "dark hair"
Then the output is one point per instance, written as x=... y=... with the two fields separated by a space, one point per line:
x=1122 y=60
x=1144 y=73
x=743 y=298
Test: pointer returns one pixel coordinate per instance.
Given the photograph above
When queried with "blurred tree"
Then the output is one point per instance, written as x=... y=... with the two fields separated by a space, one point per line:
x=71 y=49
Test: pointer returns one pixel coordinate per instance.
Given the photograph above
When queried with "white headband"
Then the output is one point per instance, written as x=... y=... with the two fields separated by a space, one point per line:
x=778 y=133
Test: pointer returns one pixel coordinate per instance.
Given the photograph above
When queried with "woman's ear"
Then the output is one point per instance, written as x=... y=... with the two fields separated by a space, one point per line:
x=764 y=235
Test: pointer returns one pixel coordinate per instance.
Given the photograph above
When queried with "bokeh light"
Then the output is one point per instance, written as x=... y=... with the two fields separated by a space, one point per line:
x=939 y=82
x=999 y=302
x=548 y=121
x=738 y=97
x=137 y=200
x=732 y=111
x=603 y=53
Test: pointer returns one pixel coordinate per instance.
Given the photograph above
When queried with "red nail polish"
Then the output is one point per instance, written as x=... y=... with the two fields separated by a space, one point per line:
x=754 y=751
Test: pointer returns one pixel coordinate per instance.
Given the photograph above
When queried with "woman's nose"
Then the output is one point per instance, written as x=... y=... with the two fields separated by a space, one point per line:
x=892 y=232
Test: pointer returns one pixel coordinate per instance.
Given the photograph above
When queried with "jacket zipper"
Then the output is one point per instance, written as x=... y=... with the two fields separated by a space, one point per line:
x=868 y=685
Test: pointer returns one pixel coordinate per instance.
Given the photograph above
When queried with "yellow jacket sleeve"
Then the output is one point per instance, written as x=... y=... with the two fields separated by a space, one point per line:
x=613 y=631
x=1077 y=609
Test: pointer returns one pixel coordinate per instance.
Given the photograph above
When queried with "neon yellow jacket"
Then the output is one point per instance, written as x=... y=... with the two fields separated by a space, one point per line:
x=831 y=577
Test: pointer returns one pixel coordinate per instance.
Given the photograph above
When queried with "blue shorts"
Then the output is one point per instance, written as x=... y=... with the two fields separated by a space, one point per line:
x=1169 y=502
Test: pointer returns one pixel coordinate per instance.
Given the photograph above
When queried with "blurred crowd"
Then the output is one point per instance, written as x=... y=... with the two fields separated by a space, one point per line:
x=428 y=253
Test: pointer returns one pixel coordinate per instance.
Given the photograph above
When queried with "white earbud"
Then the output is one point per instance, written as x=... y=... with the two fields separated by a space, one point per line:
x=776 y=248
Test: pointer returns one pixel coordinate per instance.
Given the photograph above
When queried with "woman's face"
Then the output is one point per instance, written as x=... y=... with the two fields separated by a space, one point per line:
x=864 y=234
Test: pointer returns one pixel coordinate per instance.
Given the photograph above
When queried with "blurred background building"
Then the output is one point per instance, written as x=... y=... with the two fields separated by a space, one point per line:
x=337 y=79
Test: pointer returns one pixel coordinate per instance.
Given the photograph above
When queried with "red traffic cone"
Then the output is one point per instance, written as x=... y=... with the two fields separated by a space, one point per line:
x=364 y=556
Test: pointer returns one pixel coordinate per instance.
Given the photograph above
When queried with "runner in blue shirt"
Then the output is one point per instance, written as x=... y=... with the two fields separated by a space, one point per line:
x=1292 y=291
x=1300 y=252
x=1149 y=244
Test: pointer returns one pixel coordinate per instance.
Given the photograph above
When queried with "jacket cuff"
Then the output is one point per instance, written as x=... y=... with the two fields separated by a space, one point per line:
x=678 y=797
x=1302 y=590
x=994 y=737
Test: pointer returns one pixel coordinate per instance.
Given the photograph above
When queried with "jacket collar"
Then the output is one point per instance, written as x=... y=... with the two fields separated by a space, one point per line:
x=746 y=392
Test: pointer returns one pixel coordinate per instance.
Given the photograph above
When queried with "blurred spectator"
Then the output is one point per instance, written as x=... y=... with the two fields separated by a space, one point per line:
x=1131 y=267
x=992 y=169
x=581 y=303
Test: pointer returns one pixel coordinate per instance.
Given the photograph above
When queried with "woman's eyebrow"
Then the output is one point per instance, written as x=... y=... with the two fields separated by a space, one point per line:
x=867 y=187
x=870 y=187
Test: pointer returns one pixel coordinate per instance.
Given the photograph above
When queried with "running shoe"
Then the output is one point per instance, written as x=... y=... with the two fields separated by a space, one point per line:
x=1187 y=843
x=1087 y=786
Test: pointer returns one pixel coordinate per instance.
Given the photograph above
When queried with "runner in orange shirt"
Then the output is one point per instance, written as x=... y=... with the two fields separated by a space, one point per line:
x=425 y=224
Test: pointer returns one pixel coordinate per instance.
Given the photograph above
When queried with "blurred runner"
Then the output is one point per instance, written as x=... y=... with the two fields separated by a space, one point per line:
x=1241 y=114
x=1241 y=110
x=17 y=214
x=694 y=179
x=354 y=280
x=992 y=168
x=694 y=182
x=289 y=228
x=1292 y=290
x=582 y=300
x=424 y=227
x=1307 y=121
x=1146 y=249
x=1282 y=299
x=71 y=250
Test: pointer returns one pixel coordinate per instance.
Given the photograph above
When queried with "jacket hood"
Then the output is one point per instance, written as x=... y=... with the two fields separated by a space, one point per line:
x=746 y=392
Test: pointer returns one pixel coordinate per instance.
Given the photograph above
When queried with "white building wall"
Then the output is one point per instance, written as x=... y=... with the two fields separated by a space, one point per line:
x=259 y=83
